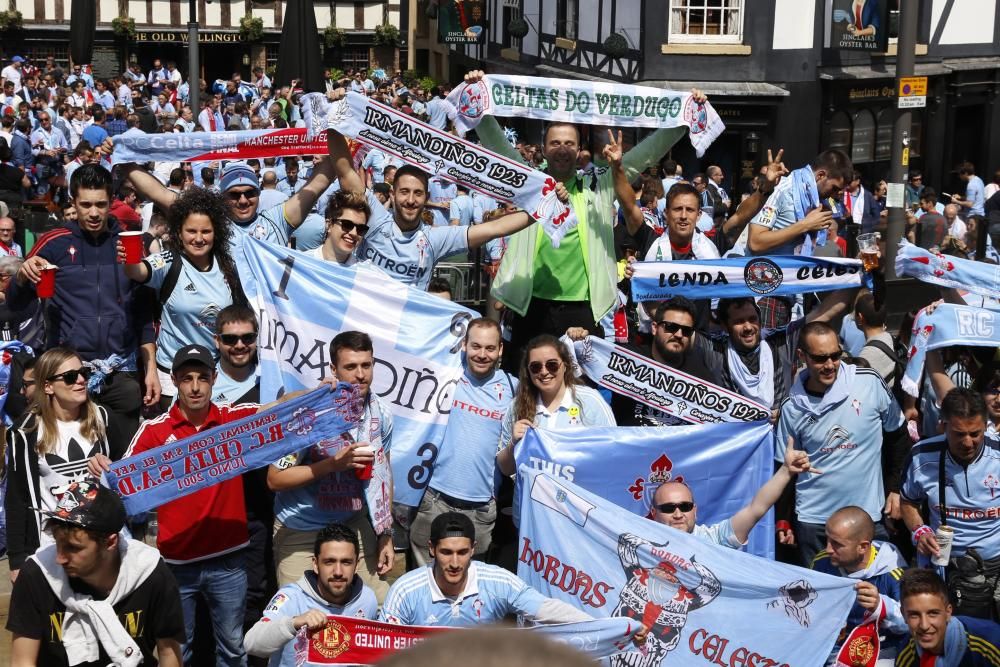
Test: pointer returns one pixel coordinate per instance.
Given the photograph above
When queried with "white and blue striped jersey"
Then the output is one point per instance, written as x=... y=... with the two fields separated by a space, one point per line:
x=490 y=594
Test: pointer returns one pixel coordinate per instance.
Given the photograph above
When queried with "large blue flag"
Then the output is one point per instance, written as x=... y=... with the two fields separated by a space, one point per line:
x=724 y=464
x=705 y=604
x=304 y=302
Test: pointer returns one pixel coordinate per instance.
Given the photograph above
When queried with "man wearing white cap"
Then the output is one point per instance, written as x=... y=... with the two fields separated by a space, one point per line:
x=12 y=72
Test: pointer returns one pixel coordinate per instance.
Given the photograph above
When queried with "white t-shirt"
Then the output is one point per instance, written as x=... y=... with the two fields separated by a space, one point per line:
x=317 y=252
x=66 y=463
x=11 y=73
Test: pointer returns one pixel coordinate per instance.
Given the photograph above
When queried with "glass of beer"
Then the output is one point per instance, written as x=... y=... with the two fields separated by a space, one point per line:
x=868 y=246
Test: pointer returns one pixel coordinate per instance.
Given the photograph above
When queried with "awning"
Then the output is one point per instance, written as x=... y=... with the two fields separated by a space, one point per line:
x=710 y=88
x=964 y=64
x=885 y=71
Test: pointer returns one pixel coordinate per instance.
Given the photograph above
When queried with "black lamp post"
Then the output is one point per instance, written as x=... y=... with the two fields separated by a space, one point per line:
x=194 y=78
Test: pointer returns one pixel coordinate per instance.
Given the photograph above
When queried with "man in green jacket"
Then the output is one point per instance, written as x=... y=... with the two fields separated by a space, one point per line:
x=552 y=289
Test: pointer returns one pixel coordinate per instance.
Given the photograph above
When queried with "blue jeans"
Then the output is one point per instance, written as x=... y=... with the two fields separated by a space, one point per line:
x=222 y=582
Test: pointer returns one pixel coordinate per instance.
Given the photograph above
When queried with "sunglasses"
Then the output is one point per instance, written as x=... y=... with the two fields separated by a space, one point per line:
x=349 y=226
x=823 y=358
x=236 y=196
x=552 y=366
x=231 y=339
x=673 y=327
x=670 y=508
x=70 y=377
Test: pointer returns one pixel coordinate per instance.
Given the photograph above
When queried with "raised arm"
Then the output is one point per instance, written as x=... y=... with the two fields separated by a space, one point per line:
x=146 y=185
x=494 y=229
x=752 y=205
x=649 y=151
x=765 y=498
x=340 y=156
x=623 y=189
x=297 y=206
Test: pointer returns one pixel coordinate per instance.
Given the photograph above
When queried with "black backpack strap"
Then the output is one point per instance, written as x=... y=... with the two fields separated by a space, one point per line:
x=889 y=352
x=941 y=479
x=170 y=282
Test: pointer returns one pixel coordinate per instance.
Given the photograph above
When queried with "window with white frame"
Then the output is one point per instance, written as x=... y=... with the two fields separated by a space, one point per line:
x=706 y=21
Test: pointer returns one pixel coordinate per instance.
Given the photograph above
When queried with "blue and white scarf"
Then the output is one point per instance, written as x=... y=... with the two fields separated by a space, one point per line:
x=757 y=386
x=443 y=155
x=833 y=396
x=948 y=325
x=743 y=276
x=659 y=386
x=976 y=277
x=178 y=468
x=805 y=197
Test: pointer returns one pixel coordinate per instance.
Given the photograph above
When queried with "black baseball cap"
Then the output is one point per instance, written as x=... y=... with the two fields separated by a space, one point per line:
x=452 y=524
x=198 y=354
x=88 y=505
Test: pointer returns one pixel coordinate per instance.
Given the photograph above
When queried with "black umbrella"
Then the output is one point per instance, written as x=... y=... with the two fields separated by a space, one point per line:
x=298 y=55
x=82 y=26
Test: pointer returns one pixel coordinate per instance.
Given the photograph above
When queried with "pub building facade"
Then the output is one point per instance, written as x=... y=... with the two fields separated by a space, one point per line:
x=773 y=72
x=161 y=32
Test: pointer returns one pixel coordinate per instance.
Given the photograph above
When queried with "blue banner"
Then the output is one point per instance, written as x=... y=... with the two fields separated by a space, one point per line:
x=303 y=303
x=705 y=604
x=724 y=464
x=742 y=276
x=173 y=470
x=976 y=277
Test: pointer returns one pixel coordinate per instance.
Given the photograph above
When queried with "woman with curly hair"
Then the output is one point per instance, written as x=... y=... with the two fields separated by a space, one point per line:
x=194 y=278
x=548 y=396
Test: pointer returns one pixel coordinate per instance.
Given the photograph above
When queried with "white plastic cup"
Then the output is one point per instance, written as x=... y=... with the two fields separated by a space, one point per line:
x=944 y=536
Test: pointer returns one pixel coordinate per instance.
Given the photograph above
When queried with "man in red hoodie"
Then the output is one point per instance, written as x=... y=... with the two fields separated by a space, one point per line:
x=203 y=536
x=124 y=209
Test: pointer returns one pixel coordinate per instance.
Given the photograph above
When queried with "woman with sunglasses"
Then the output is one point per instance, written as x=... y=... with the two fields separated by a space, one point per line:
x=50 y=446
x=548 y=396
x=347 y=216
x=194 y=278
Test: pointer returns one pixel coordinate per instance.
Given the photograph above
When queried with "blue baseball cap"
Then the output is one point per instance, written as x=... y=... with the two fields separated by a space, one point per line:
x=17 y=59
x=237 y=174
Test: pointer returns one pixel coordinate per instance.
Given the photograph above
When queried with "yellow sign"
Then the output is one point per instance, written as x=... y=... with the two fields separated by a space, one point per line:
x=906 y=156
x=913 y=86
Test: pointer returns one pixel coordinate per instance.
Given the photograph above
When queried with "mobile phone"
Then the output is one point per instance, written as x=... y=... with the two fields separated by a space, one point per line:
x=945 y=194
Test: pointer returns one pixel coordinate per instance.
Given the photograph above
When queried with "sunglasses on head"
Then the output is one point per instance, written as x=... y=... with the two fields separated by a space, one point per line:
x=349 y=226
x=823 y=358
x=70 y=377
x=673 y=327
x=232 y=339
x=670 y=508
x=552 y=366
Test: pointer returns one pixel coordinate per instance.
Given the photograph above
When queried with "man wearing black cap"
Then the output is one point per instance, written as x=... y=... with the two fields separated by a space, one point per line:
x=454 y=590
x=94 y=597
x=203 y=535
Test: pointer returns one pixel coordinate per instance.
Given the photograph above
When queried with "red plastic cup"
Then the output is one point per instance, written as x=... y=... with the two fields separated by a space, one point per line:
x=45 y=288
x=364 y=474
x=132 y=242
